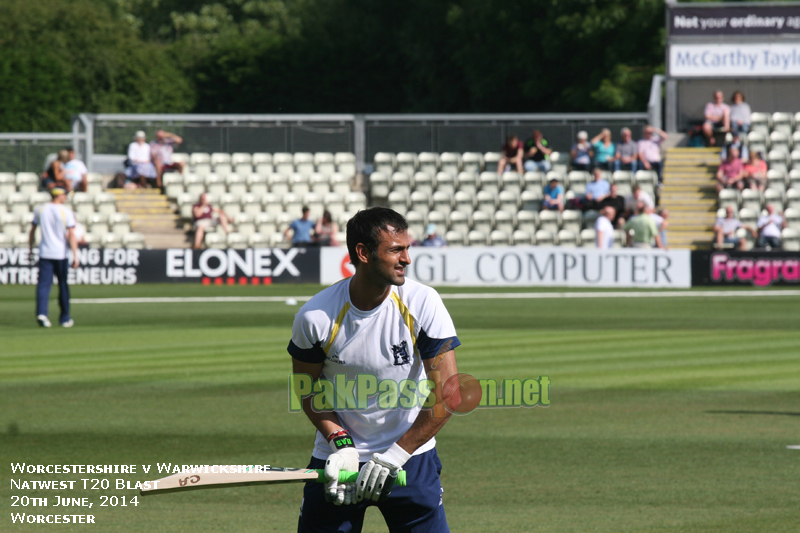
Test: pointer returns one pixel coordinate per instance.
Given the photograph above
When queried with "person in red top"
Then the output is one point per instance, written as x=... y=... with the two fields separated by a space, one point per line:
x=756 y=171
x=512 y=155
x=731 y=172
x=204 y=219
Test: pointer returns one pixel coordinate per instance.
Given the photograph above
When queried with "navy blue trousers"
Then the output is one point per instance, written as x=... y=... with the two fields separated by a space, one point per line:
x=47 y=268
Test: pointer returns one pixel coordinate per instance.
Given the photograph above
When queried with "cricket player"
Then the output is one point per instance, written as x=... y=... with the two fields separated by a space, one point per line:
x=57 y=223
x=382 y=324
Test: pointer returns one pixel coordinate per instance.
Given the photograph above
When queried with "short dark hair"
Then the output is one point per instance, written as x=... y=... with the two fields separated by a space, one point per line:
x=365 y=228
x=305 y=209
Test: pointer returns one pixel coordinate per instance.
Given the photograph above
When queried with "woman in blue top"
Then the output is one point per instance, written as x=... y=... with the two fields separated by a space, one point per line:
x=604 y=150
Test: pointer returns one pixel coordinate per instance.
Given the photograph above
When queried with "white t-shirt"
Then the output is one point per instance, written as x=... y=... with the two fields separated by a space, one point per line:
x=770 y=225
x=140 y=152
x=644 y=196
x=388 y=342
x=603 y=224
x=658 y=219
x=54 y=220
x=75 y=170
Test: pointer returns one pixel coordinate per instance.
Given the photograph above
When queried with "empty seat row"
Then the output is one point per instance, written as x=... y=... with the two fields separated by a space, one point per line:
x=233 y=204
x=106 y=240
x=432 y=163
x=265 y=163
x=756 y=200
x=176 y=184
x=567 y=238
x=21 y=203
x=30 y=183
x=776 y=122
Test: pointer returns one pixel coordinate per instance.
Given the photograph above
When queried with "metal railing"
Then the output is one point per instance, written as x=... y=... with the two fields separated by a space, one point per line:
x=28 y=152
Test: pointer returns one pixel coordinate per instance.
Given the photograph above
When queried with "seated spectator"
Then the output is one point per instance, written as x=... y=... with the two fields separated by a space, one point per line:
x=140 y=162
x=301 y=230
x=717 y=116
x=730 y=174
x=537 y=154
x=162 y=150
x=512 y=155
x=581 y=152
x=725 y=230
x=660 y=217
x=627 y=154
x=432 y=238
x=206 y=217
x=604 y=150
x=769 y=228
x=744 y=152
x=755 y=172
x=618 y=203
x=650 y=150
x=553 y=196
x=325 y=230
x=80 y=235
x=641 y=229
x=596 y=191
x=637 y=196
x=75 y=172
x=604 y=229
x=54 y=177
x=740 y=114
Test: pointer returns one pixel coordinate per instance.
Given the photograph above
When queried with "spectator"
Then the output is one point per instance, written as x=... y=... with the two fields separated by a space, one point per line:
x=301 y=230
x=512 y=155
x=432 y=238
x=207 y=217
x=553 y=196
x=740 y=114
x=730 y=173
x=660 y=219
x=80 y=235
x=637 y=196
x=618 y=203
x=581 y=152
x=596 y=191
x=737 y=143
x=650 y=150
x=54 y=176
x=162 y=149
x=604 y=229
x=769 y=228
x=57 y=225
x=755 y=172
x=604 y=150
x=641 y=229
x=140 y=162
x=627 y=155
x=325 y=230
x=725 y=230
x=537 y=154
x=75 y=172
x=717 y=116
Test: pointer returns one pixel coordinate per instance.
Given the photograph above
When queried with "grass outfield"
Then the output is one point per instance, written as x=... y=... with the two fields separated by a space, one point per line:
x=667 y=414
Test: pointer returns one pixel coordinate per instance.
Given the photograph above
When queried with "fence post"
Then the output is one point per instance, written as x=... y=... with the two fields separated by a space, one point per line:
x=359 y=142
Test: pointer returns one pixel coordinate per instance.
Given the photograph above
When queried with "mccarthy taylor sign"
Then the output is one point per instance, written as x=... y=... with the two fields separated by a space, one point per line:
x=734 y=60
x=532 y=266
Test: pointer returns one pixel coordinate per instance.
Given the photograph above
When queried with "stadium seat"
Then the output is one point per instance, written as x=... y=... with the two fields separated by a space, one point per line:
x=794 y=157
x=759 y=122
x=325 y=163
x=486 y=201
x=446 y=183
x=401 y=182
x=450 y=163
x=379 y=185
x=416 y=224
x=588 y=237
x=219 y=158
x=119 y=223
x=442 y=202
x=261 y=158
x=236 y=240
x=6 y=241
x=257 y=184
x=398 y=201
x=545 y=237
x=749 y=217
x=385 y=163
x=303 y=163
x=549 y=220
x=241 y=158
x=508 y=201
x=82 y=202
x=589 y=218
x=315 y=203
x=757 y=141
x=27 y=182
x=202 y=169
x=345 y=164
x=264 y=169
x=283 y=163
x=407 y=163
x=279 y=184
x=429 y=162
x=223 y=169
x=38 y=199
x=776 y=180
x=792 y=217
x=258 y=240
x=577 y=180
x=423 y=182
x=293 y=204
x=356 y=201
x=111 y=240
x=729 y=197
x=250 y=203
x=97 y=223
x=458 y=221
x=94 y=183
x=236 y=184
x=504 y=221
x=533 y=181
x=298 y=184
x=420 y=202
x=511 y=182
x=243 y=169
x=531 y=201
x=173 y=185
x=793 y=199
x=778 y=160
x=491 y=160
x=477 y=238
x=467 y=182
x=572 y=220
x=559 y=161
x=335 y=204
x=215 y=240
x=489 y=182
x=482 y=221
x=567 y=238
x=464 y=202
x=3 y=206
x=774 y=198
x=8 y=183
x=781 y=141
x=10 y=224
x=473 y=162
x=794 y=179
x=499 y=238
x=194 y=184
x=624 y=181
x=522 y=238
x=265 y=223
x=133 y=240
x=340 y=183
x=782 y=123
x=647 y=180
x=231 y=204
x=527 y=221
x=453 y=239
x=215 y=184
x=320 y=183
x=750 y=199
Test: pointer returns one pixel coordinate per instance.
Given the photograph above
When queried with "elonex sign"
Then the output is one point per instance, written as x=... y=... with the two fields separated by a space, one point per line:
x=734 y=60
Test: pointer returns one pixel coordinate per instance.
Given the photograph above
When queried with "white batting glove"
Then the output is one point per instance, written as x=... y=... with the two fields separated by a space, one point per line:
x=344 y=457
x=377 y=477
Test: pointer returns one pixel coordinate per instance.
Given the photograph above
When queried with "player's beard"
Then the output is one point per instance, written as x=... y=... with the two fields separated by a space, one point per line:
x=388 y=273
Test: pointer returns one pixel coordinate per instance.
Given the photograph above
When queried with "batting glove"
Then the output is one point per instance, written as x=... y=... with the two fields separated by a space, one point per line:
x=344 y=457
x=377 y=477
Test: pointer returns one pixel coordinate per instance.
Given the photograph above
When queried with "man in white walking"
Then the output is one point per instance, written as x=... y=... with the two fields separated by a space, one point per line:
x=57 y=224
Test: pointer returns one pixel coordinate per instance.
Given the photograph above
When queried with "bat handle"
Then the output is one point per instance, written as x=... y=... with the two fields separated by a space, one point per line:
x=351 y=477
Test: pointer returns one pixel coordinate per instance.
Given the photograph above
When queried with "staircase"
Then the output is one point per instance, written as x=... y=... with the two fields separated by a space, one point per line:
x=152 y=216
x=690 y=196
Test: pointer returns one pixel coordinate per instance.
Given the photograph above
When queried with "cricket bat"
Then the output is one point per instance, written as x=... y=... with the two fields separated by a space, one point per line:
x=259 y=476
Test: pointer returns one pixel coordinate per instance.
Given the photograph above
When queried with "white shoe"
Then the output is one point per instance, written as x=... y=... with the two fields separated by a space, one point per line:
x=43 y=321
x=68 y=324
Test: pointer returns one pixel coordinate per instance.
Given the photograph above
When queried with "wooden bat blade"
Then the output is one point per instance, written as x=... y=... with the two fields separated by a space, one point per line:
x=216 y=480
